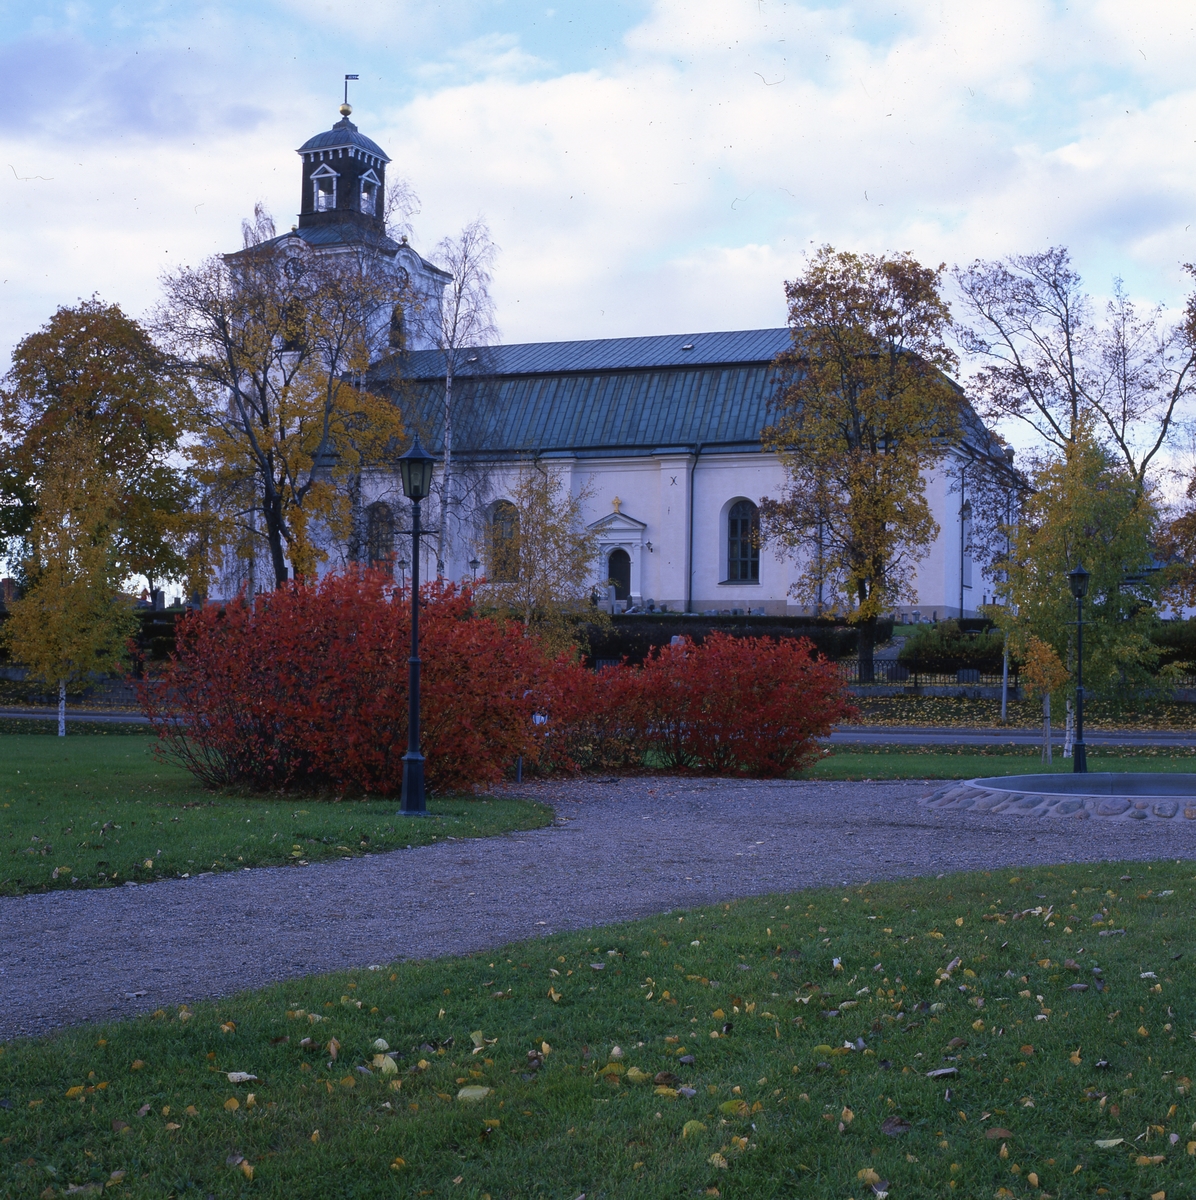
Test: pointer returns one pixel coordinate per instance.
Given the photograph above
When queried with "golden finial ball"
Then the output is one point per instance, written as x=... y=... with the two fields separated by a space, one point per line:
x=346 y=109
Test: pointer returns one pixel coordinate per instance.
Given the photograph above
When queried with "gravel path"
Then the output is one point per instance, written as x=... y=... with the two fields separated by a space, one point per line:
x=619 y=849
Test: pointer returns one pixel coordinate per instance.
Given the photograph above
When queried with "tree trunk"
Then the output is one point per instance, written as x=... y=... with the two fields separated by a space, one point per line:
x=62 y=708
x=273 y=513
x=1046 y=727
x=446 y=477
x=867 y=642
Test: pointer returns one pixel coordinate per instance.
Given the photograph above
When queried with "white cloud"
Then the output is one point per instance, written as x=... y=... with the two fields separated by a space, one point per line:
x=675 y=187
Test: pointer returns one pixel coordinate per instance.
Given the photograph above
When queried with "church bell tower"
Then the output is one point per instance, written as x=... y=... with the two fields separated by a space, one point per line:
x=344 y=180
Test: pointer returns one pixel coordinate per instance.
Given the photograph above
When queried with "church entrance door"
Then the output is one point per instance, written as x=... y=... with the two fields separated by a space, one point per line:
x=619 y=566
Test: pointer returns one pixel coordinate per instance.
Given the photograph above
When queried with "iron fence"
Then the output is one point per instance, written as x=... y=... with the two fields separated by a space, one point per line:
x=889 y=672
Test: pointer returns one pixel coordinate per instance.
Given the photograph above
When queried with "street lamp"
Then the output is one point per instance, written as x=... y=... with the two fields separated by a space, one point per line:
x=473 y=566
x=415 y=468
x=1077 y=580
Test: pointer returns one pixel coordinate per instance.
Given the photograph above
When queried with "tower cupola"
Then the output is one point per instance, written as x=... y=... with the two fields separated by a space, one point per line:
x=344 y=178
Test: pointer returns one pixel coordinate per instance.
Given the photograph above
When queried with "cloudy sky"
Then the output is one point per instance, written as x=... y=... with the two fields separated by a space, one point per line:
x=646 y=166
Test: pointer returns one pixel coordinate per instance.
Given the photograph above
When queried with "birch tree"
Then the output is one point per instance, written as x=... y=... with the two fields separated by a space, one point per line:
x=460 y=326
x=540 y=559
x=71 y=624
x=1052 y=359
x=1084 y=507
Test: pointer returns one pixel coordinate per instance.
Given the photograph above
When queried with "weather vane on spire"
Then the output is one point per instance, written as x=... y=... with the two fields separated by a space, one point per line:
x=347 y=108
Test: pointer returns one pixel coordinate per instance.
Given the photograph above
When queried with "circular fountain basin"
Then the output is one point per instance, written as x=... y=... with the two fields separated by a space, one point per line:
x=1129 y=796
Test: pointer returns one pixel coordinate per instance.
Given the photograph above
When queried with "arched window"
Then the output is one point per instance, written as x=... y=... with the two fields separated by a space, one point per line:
x=743 y=543
x=380 y=536
x=618 y=564
x=502 y=543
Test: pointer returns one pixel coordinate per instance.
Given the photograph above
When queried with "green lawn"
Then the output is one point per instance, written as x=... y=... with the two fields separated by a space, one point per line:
x=794 y=1036
x=969 y=762
x=92 y=810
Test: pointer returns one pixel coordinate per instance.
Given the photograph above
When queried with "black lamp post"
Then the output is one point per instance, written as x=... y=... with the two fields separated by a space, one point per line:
x=415 y=467
x=1077 y=580
x=473 y=567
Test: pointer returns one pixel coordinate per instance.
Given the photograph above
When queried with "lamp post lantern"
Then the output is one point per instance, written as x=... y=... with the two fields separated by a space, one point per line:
x=473 y=567
x=1077 y=580
x=415 y=468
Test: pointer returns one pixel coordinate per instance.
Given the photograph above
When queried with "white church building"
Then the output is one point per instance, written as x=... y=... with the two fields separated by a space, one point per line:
x=661 y=433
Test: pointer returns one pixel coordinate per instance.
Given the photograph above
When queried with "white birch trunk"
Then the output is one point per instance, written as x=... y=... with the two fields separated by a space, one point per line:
x=446 y=479
x=1069 y=731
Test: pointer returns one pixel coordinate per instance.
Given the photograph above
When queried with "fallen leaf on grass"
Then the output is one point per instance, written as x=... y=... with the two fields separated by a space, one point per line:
x=692 y=1129
x=471 y=1095
x=144 y=1109
x=172 y=1125
x=398 y=1164
x=734 y=1108
x=232 y=1104
x=895 y=1126
x=1148 y=1160
x=241 y=1077
x=717 y=1160
x=867 y=1175
x=1109 y=1143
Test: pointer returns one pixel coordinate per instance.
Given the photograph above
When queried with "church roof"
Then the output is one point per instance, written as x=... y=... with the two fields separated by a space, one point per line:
x=610 y=354
x=625 y=396
x=633 y=396
x=343 y=133
x=343 y=234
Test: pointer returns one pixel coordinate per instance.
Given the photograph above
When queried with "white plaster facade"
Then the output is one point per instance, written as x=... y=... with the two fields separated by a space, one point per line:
x=642 y=505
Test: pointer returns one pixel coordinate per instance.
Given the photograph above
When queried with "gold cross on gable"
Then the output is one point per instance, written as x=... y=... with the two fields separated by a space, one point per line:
x=617 y=504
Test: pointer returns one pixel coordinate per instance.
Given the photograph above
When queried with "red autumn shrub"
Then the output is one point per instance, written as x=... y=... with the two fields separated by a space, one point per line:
x=307 y=688
x=738 y=706
x=592 y=719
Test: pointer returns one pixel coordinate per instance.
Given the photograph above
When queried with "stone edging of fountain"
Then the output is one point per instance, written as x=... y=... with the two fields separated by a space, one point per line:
x=1005 y=796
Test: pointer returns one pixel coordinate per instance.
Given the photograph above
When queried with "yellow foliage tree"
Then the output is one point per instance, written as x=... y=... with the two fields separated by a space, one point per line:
x=866 y=412
x=540 y=558
x=273 y=340
x=1044 y=673
x=71 y=624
